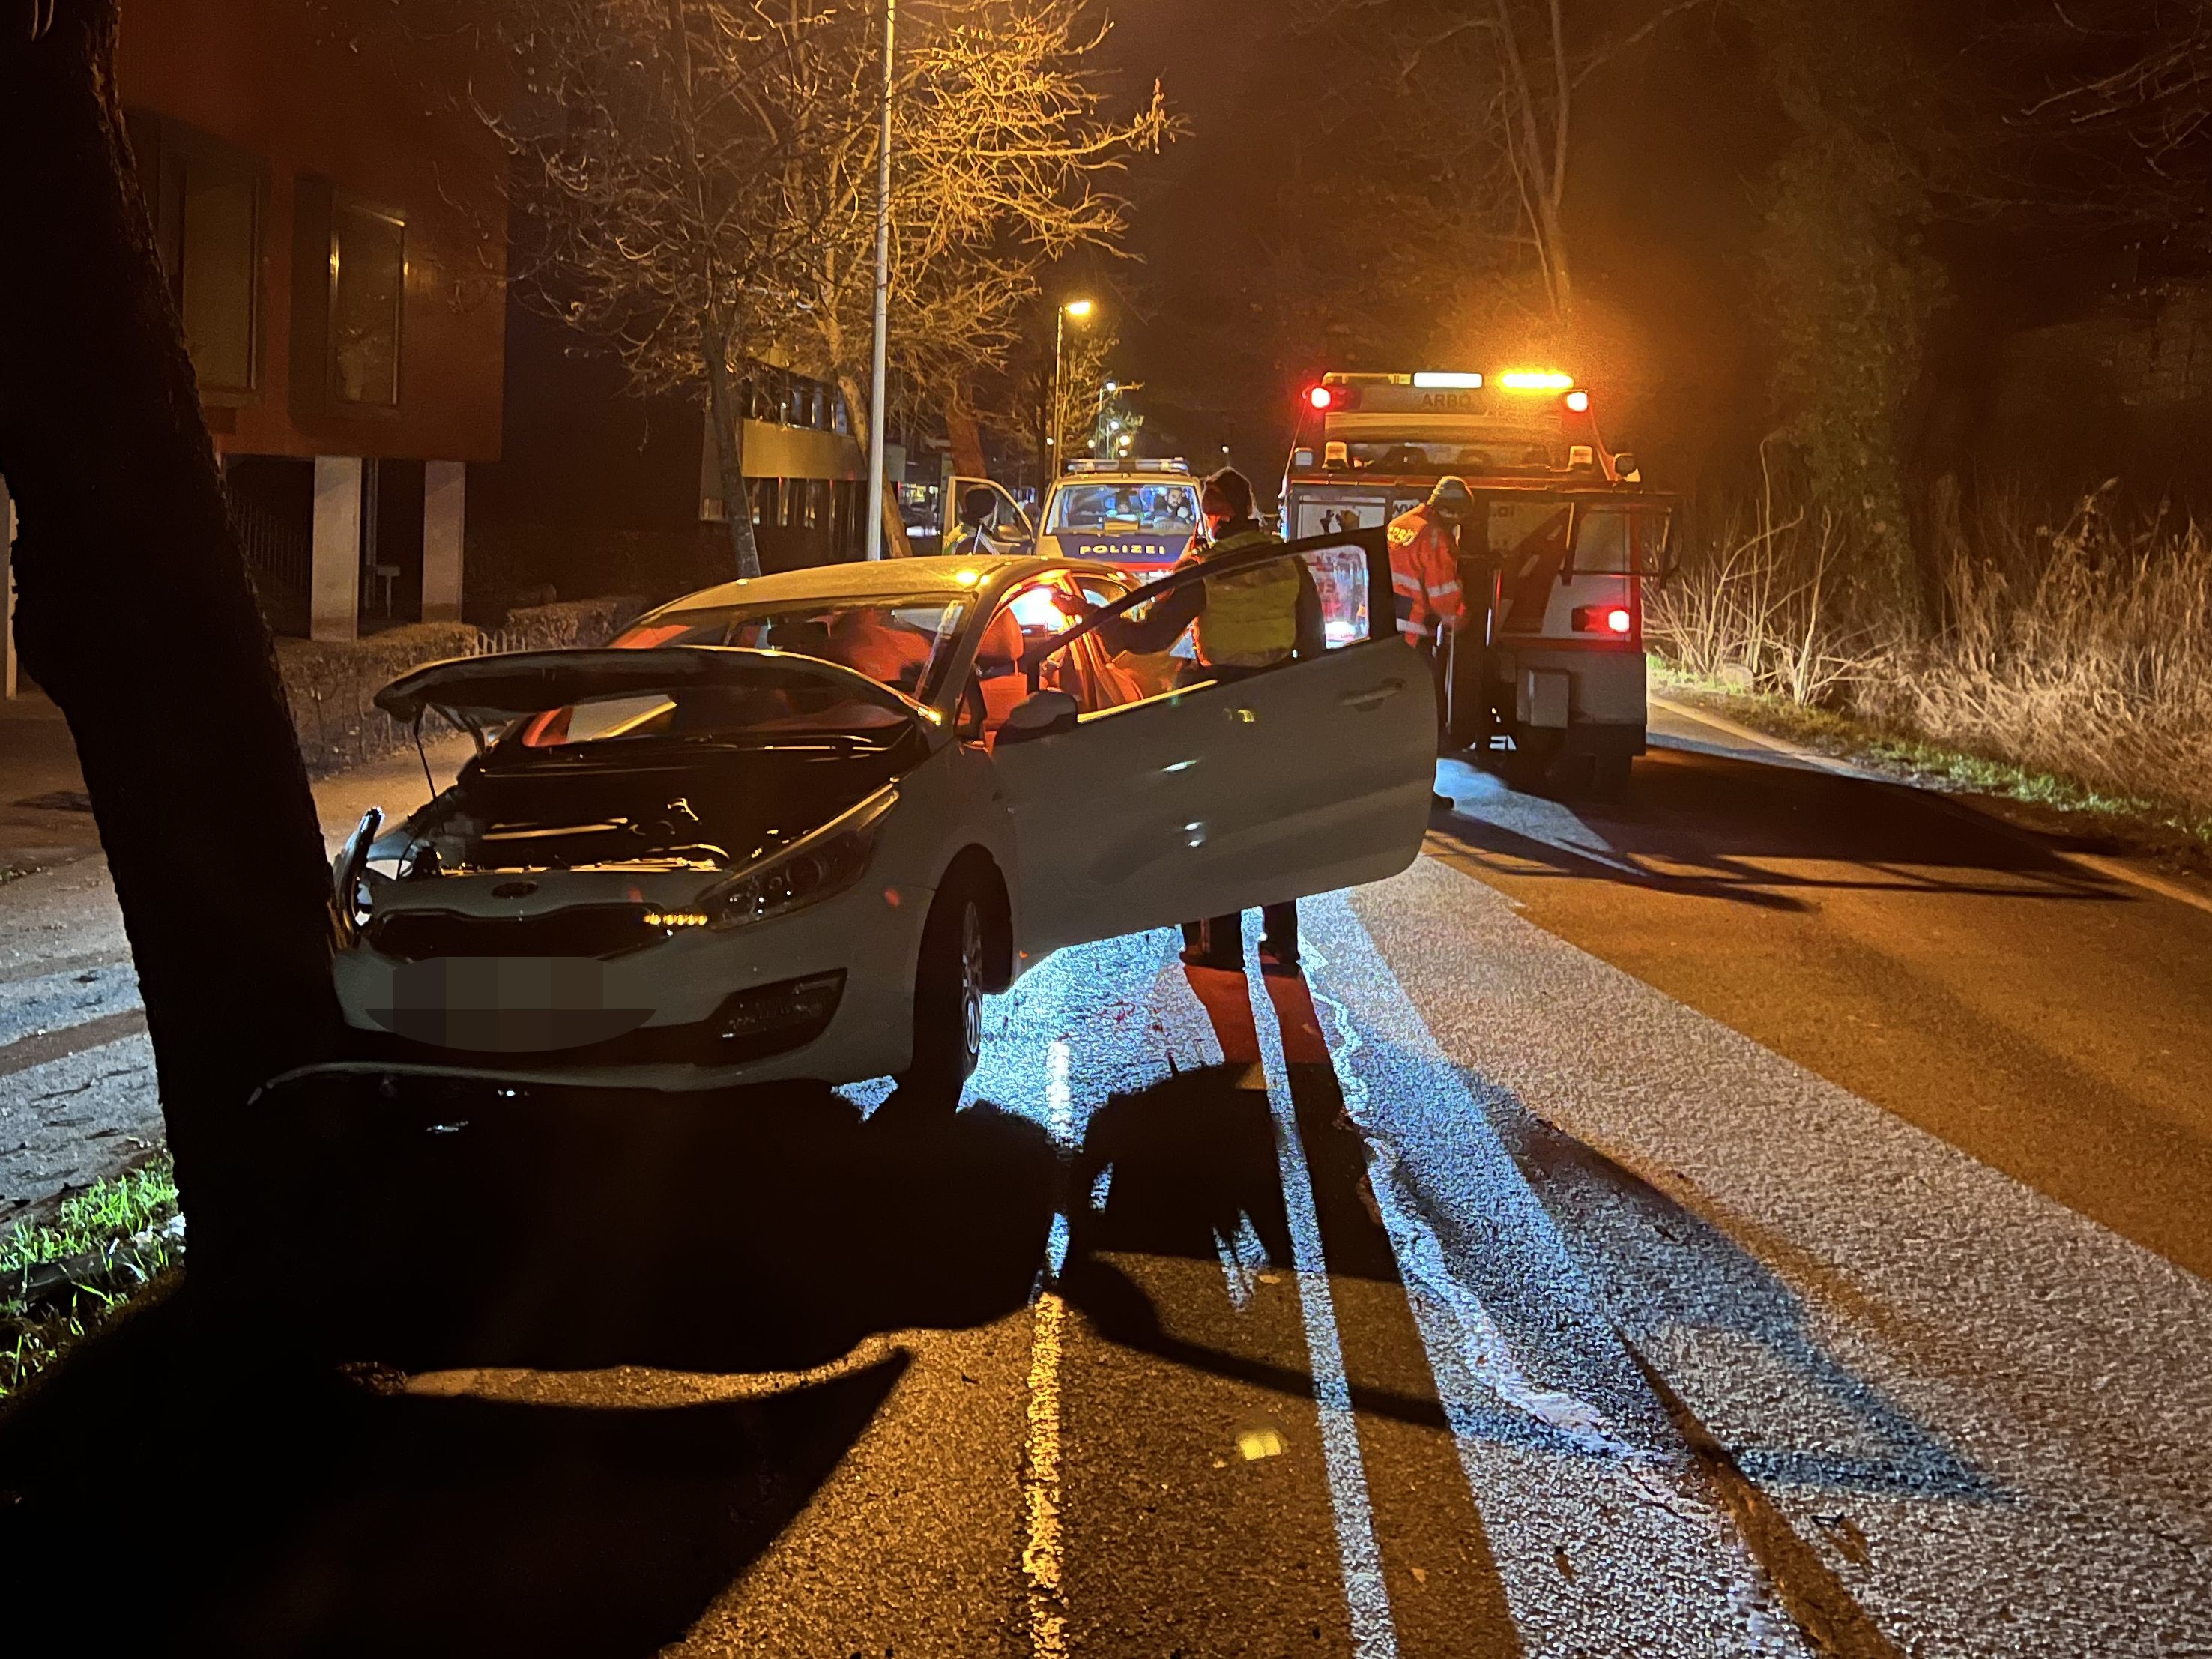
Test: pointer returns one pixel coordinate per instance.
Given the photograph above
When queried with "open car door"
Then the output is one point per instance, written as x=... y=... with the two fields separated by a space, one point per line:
x=1009 y=528
x=1234 y=792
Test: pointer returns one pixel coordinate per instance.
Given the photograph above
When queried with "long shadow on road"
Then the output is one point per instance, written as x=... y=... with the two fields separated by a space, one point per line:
x=178 y=1490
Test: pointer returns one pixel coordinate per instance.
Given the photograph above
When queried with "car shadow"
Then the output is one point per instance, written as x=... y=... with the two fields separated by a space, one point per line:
x=770 y=1229
x=202 y=1478
x=1192 y=1158
x=1712 y=826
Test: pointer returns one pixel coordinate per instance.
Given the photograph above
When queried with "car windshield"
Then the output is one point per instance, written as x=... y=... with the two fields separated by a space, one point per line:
x=1171 y=508
x=901 y=641
x=1489 y=459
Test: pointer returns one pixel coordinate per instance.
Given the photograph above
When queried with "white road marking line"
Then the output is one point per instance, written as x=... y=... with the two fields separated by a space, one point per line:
x=1243 y=1258
x=1041 y=1494
x=1374 y=1633
x=1041 y=1549
x=1647 y=1522
x=1420 y=1255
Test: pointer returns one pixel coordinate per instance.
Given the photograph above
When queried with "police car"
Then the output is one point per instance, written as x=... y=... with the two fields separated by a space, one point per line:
x=1139 y=516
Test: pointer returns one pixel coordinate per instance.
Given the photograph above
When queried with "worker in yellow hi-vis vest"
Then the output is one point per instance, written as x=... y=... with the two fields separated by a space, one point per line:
x=1244 y=623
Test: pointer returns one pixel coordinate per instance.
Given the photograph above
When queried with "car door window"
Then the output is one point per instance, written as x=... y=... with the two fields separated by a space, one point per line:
x=1030 y=617
x=1229 y=789
x=1339 y=573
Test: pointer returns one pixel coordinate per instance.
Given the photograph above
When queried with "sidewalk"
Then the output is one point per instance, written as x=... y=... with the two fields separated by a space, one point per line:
x=78 y=1100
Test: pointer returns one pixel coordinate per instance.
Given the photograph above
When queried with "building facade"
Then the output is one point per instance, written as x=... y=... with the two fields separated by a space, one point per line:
x=804 y=467
x=335 y=233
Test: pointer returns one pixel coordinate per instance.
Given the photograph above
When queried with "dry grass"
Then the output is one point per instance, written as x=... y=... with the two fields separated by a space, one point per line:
x=2083 y=649
x=2079 y=651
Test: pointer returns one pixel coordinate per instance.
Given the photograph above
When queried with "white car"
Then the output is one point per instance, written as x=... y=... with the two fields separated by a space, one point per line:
x=804 y=830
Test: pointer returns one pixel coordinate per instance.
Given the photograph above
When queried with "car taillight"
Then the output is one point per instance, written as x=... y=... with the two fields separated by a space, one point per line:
x=1324 y=400
x=1616 y=620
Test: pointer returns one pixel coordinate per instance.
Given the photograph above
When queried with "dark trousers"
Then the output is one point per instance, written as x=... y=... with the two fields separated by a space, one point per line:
x=1223 y=937
x=1439 y=654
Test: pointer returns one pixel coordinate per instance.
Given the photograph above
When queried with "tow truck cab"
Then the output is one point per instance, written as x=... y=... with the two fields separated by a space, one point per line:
x=1549 y=667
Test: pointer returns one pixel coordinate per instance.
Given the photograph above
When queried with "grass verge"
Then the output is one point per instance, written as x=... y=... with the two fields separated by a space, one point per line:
x=61 y=1280
x=2047 y=800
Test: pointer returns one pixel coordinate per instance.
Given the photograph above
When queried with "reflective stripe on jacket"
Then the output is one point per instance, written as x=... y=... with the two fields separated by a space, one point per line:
x=1251 y=617
x=1424 y=574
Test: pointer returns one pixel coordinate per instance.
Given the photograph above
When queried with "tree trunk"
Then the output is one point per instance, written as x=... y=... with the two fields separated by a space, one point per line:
x=895 y=545
x=967 y=441
x=136 y=614
x=725 y=424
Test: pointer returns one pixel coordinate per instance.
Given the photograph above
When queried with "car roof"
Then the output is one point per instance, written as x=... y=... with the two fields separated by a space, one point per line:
x=860 y=578
x=1068 y=479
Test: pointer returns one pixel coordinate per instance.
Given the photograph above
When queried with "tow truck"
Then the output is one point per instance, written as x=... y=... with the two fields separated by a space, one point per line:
x=1547 y=675
x=1138 y=516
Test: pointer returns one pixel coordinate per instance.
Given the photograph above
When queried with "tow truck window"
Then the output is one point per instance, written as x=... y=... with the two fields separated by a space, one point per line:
x=902 y=641
x=1625 y=540
x=1491 y=458
x=1169 y=507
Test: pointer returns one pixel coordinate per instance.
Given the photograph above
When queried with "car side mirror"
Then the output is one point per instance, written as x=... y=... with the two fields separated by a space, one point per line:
x=1041 y=714
x=1625 y=467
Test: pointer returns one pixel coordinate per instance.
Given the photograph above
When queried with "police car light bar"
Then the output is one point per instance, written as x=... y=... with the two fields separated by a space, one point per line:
x=1439 y=379
x=1175 y=464
x=1536 y=379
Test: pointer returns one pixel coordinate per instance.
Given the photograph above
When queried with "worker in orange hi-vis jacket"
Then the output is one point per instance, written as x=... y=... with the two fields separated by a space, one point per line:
x=1424 y=579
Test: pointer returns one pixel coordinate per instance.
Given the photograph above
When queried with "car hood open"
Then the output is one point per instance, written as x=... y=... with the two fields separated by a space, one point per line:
x=475 y=692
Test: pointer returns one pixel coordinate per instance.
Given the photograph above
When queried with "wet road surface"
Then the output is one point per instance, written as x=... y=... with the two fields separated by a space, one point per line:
x=1638 y=1232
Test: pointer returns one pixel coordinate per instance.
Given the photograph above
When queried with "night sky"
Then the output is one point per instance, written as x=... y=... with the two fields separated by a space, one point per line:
x=1667 y=154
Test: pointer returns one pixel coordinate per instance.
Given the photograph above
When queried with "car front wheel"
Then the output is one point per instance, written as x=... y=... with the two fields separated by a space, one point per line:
x=948 y=993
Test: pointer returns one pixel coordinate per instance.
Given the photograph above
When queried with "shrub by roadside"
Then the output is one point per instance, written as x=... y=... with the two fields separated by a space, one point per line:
x=2070 y=668
x=331 y=685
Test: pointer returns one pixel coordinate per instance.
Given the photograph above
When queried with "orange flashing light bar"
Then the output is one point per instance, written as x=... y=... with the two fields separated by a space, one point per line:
x=1536 y=380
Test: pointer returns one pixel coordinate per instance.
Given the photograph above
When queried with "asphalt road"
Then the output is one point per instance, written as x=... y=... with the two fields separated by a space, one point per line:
x=1765 y=1216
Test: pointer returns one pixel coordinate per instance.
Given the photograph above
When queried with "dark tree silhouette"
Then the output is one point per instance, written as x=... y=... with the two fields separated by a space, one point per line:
x=137 y=615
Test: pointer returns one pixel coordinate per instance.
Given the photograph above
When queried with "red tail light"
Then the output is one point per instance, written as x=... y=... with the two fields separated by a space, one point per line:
x=1321 y=397
x=1616 y=620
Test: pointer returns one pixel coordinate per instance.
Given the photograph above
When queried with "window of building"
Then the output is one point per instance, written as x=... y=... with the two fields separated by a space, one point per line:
x=206 y=203
x=368 y=285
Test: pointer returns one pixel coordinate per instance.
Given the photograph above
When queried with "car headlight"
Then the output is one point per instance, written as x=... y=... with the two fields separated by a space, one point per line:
x=817 y=866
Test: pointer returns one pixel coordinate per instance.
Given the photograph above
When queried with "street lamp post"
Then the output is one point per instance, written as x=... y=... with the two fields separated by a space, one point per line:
x=882 y=301
x=1078 y=309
